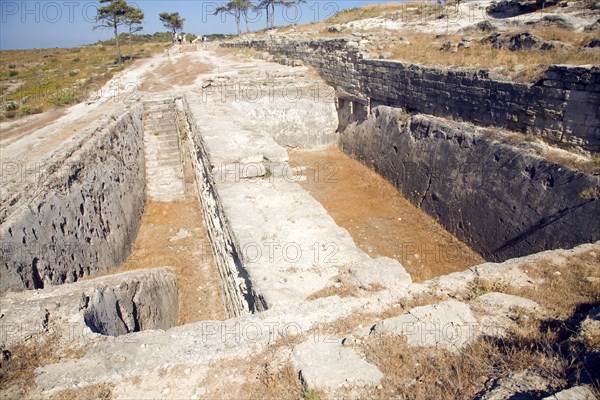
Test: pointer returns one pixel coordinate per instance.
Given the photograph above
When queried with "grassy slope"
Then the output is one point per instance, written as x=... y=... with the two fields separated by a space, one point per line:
x=33 y=81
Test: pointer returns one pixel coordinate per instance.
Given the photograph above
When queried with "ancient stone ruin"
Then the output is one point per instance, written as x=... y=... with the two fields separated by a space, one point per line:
x=172 y=247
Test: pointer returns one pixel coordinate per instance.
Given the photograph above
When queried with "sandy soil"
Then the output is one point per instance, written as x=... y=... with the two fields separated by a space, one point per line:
x=379 y=219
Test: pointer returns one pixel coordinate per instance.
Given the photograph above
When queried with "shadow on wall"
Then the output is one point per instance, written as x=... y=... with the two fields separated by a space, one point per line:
x=497 y=198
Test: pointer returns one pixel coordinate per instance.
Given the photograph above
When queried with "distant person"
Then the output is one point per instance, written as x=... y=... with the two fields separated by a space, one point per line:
x=179 y=38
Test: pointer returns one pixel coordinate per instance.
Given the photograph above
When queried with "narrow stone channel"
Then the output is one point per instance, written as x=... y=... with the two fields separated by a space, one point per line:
x=379 y=219
x=172 y=231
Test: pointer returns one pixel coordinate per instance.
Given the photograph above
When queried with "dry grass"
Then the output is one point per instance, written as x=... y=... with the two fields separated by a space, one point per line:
x=265 y=377
x=435 y=374
x=564 y=154
x=44 y=79
x=342 y=288
x=274 y=383
x=100 y=391
x=237 y=53
x=479 y=287
x=565 y=288
x=547 y=345
x=522 y=65
x=368 y=11
x=17 y=375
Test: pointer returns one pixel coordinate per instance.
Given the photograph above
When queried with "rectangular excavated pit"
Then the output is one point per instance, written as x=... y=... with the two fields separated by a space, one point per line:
x=503 y=200
x=379 y=219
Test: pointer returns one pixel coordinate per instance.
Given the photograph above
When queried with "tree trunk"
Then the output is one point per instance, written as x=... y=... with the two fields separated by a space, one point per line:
x=268 y=16
x=273 y=15
x=130 y=44
x=246 y=19
x=238 y=24
x=117 y=42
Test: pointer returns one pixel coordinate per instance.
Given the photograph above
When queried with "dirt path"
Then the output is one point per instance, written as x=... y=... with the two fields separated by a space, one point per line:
x=182 y=71
x=379 y=219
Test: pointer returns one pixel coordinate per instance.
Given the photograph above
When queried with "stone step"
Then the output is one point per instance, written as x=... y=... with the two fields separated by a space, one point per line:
x=169 y=149
x=163 y=100
x=167 y=157
x=164 y=147
x=154 y=107
x=154 y=122
x=157 y=164
x=161 y=128
x=159 y=113
x=162 y=135
x=173 y=155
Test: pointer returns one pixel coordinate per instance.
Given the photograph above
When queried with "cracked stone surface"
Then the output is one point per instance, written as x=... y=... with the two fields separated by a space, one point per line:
x=329 y=366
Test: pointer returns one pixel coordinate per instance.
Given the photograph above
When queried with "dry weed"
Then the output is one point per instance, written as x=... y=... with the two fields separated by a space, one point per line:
x=564 y=287
x=341 y=288
x=17 y=374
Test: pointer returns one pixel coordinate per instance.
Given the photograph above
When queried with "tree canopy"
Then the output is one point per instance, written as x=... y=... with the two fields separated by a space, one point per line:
x=133 y=19
x=172 y=21
x=116 y=13
x=239 y=9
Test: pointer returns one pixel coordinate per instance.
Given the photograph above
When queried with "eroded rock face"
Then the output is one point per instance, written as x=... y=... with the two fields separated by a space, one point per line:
x=501 y=200
x=512 y=8
x=84 y=214
x=111 y=305
x=148 y=302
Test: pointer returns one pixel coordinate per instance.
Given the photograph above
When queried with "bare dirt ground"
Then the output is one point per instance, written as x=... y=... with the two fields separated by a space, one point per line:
x=379 y=219
x=23 y=127
x=178 y=72
x=173 y=234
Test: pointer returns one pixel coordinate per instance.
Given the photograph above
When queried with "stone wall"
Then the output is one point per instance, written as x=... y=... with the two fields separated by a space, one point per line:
x=84 y=212
x=562 y=107
x=239 y=297
x=503 y=201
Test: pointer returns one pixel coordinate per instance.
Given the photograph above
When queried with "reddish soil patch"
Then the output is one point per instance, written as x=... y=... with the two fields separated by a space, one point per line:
x=379 y=219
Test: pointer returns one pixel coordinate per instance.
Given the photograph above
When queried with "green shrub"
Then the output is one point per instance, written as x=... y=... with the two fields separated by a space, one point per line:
x=11 y=106
x=25 y=109
x=63 y=98
x=12 y=66
x=13 y=73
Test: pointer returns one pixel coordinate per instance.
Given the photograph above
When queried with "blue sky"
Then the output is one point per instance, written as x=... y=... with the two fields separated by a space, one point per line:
x=26 y=24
